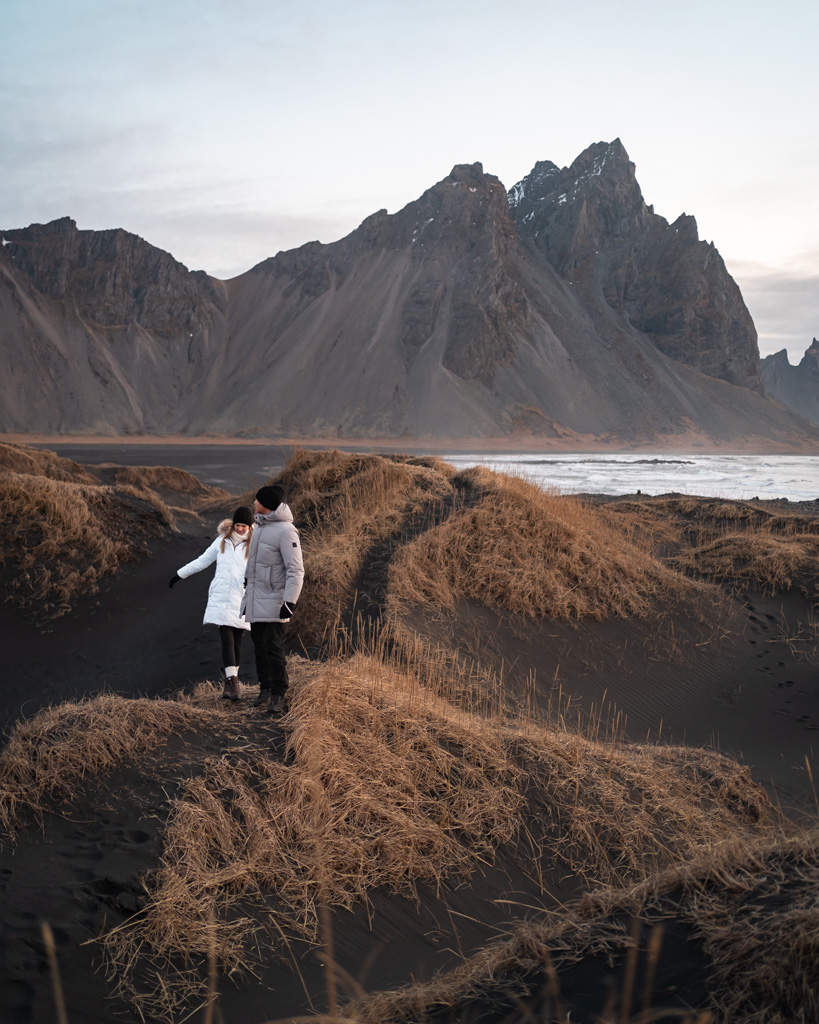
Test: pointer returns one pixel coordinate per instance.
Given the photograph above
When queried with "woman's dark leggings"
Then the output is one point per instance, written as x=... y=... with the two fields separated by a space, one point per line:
x=231 y=638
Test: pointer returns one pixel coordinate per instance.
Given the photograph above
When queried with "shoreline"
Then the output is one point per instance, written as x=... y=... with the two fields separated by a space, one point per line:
x=576 y=444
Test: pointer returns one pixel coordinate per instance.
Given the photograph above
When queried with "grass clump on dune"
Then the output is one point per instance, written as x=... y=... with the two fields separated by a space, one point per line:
x=60 y=538
x=47 y=757
x=65 y=527
x=736 y=543
x=387 y=783
x=532 y=553
x=18 y=458
x=168 y=482
x=752 y=908
x=344 y=504
x=759 y=561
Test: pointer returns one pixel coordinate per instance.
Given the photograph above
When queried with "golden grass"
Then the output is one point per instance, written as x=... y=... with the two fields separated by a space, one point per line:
x=343 y=504
x=63 y=529
x=758 y=561
x=734 y=543
x=60 y=538
x=168 y=482
x=387 y=783
x=532 y=553
x=49 y=756
x=753 y=905
x=18 y=458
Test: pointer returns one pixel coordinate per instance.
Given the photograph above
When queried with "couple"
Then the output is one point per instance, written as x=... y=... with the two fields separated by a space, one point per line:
x=259 y=574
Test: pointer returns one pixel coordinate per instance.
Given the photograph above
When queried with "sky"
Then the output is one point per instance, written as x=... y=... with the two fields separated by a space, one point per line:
x=224 y=131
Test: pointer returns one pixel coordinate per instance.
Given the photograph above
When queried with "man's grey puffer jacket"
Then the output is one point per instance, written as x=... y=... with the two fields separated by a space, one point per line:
x=275 y=570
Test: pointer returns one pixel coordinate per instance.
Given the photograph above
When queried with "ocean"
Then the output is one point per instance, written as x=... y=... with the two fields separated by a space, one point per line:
x=239 y=468
x=795 y=477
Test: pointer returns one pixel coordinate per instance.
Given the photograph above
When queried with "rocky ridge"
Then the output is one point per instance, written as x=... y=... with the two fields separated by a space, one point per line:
x=796 y=387
x=565 y=307
x=591 y=223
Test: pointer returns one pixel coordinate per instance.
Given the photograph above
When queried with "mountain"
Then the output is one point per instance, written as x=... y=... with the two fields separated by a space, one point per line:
x=101 y=332
x=591 y=223
x=564 y=307
x=797 y=387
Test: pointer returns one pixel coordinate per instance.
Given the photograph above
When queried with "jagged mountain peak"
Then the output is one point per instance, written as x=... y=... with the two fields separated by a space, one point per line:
x=811 y=352
x=592 y=225
x=601 y=166
x=467 y=174
x=58 y=226
x=797 y=387
x=686 y=227
x=467 y=203
x=563 y=306
x=602 y=158
x=111 y=278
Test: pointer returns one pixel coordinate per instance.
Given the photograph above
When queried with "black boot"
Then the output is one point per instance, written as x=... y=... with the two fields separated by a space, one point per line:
x=277 y=705
x=263 y=698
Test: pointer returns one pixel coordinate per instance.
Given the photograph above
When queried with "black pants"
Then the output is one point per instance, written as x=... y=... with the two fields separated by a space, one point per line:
x=231 y=638
x=271 y=666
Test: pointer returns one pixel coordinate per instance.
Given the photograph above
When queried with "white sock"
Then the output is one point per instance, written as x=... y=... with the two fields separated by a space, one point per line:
x=231 y=670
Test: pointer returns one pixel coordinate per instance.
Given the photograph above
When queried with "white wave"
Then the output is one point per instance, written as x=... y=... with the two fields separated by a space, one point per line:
x=795 y=477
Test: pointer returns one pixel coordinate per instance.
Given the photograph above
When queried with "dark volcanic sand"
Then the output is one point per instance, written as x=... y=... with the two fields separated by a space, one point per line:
x=753 y=695
x=135 y=636
x=236 y=468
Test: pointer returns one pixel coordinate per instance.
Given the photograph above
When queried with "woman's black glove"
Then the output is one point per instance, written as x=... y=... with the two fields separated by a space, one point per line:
x=287 y=610
x=176 y=579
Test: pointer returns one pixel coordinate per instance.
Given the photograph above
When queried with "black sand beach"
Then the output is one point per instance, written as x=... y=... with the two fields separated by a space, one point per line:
x=749 y=690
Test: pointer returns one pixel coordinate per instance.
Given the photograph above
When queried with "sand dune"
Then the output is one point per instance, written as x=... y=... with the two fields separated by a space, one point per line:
x=490 y=768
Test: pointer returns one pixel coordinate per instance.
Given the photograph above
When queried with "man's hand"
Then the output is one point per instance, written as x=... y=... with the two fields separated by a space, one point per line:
x=287 y=610
x=175 y=579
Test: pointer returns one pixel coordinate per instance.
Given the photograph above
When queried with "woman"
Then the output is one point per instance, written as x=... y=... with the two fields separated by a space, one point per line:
x=229 y=551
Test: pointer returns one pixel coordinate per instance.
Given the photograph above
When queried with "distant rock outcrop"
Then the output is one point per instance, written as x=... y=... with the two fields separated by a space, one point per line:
x=591 y=223
x=113 y=278
x=101 y=332
x=797 y=387
x=563 y=308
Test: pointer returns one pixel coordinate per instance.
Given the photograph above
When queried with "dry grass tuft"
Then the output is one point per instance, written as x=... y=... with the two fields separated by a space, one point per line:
x=18 y=458
x=759 y=921
x=47 y=757
x=752 y=905
x=758 y=561
x=533 y=553
x=737 y=543
x=167 y=482
x=387 y=783
x=60 y=538
x=64 y=528
x=343 y=504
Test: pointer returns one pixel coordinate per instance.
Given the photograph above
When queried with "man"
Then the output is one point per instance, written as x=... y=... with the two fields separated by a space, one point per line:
x=275 y=573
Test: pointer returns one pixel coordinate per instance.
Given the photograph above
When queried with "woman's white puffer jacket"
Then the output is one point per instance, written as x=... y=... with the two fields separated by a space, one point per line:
x=228 y=585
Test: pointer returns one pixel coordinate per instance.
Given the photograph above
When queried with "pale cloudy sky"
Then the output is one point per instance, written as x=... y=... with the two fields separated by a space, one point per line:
x=226 y=130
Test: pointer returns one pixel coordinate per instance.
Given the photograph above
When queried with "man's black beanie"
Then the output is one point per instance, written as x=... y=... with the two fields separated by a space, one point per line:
x=270 y=497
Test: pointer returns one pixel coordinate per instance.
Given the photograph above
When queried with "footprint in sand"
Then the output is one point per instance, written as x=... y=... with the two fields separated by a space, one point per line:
x=121 y=896
x=136 y=837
